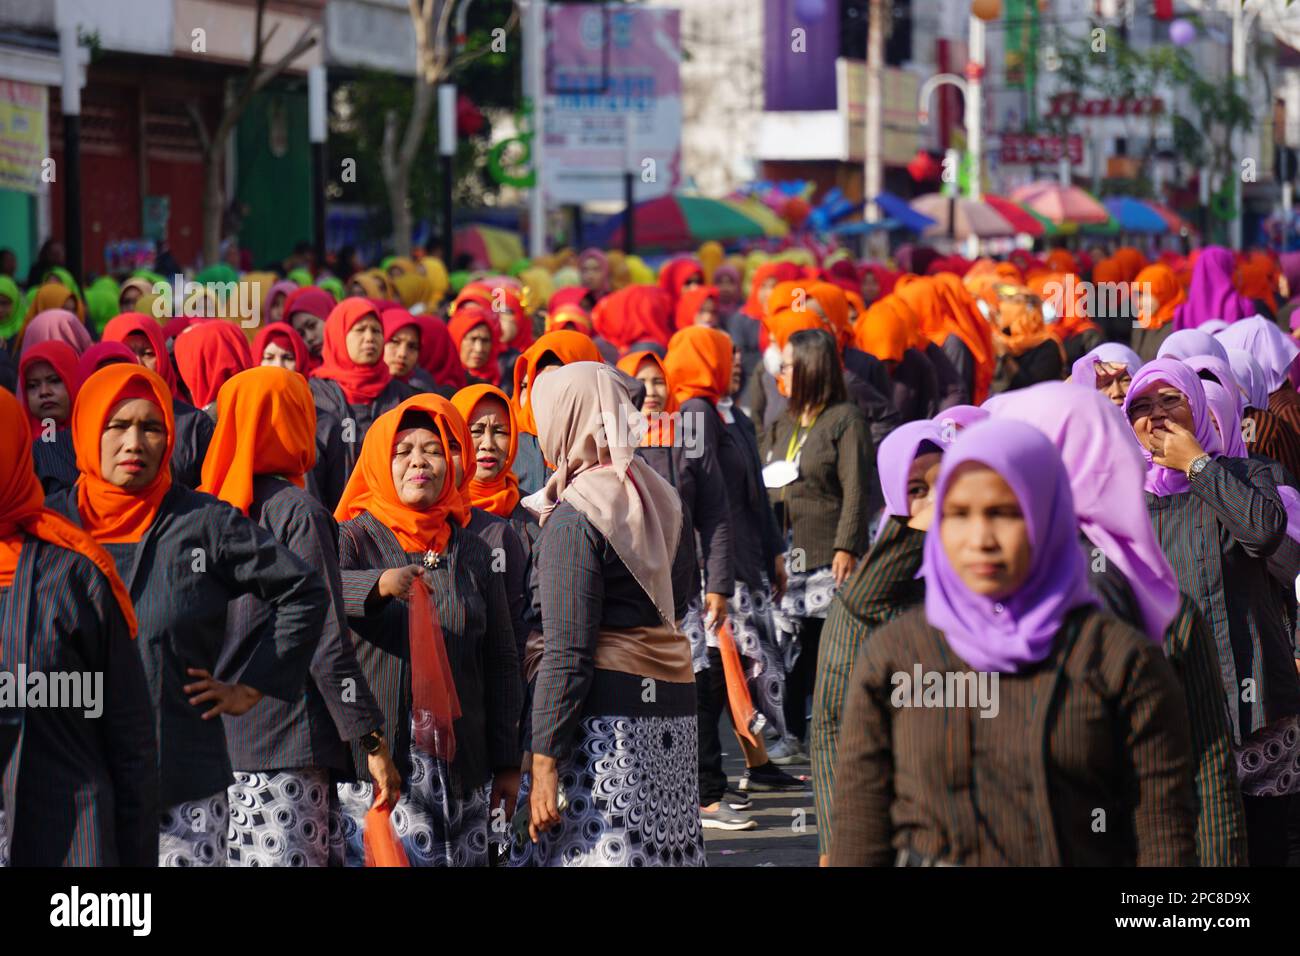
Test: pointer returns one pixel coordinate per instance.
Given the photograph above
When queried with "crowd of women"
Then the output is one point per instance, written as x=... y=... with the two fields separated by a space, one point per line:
x=377 y=563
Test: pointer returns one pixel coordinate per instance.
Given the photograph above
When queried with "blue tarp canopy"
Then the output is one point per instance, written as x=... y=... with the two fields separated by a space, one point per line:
x=902 y=213
x=1133 y=215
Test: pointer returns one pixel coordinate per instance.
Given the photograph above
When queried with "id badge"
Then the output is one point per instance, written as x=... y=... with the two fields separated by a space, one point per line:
x=778 y=474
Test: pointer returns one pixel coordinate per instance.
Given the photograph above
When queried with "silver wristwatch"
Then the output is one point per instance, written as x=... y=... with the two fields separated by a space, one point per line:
x=1197 y=466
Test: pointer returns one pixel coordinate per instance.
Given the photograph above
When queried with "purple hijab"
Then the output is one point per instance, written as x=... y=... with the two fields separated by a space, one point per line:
x=1018 y=630
x=1162 y=481
x=959 y=417
x=1084 y=371
x=1212 y=294
x=57 y=325
x=1250 y=377
x=1189 y=342
x=1222 y=373
x=1227 y=420
x=1272 y=348
x=1106 y=473
x=894 y=460
x=1213 y=327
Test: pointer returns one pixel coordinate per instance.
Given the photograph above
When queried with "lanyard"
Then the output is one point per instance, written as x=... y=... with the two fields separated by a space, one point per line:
x=793 y=449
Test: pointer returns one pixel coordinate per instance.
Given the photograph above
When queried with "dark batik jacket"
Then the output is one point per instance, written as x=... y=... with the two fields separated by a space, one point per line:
x=883 y=587
x=952 y=389
x=473 y=614
x=1086 y=763
x=697 y=475
x=329 y=477
x=55 y=461
x=1189 y=646
x=510 y=559
x=197 y=556
x=336 y=705
x=756 y=537
x=1218 y=537
x=354 y=420
x=530 y=466
x=193 y=433
x=585 y=587
x=79 y=790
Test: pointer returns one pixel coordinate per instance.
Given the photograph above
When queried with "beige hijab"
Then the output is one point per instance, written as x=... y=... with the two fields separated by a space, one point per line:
x=583 y=412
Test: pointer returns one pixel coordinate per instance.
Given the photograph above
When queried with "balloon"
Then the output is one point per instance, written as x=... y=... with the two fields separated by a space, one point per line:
x=986 y=9
x=810 y=9
x=1181 y=33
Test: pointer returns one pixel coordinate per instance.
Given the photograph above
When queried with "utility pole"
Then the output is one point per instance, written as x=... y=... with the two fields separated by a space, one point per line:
x=71 y=105
x=535 y=89
x=317 y=111
x=447 y=159
x=873 y=168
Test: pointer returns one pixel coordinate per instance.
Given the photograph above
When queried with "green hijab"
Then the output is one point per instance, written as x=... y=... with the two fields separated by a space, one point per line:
x=9 y=289
x=101 y=302
x=300 y=276
x=334 y=287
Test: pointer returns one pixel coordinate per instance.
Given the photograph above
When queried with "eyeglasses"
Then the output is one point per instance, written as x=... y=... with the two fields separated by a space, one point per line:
x=1143 y=407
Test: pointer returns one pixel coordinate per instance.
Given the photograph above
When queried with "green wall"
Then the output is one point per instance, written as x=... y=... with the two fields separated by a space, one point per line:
x=18 y=228
x=276 y=191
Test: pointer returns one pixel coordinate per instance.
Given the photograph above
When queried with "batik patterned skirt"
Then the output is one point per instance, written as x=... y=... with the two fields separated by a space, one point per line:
x=193 y=833
x=436 y=824
x=755 y=632
x=633 y=795
x=4 y=836
x=1268 y=763
x=808 y=594
x=279 y=818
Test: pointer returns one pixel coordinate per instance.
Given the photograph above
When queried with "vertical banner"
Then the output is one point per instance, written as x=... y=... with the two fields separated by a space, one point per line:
x=24 y=137
x=604 y=64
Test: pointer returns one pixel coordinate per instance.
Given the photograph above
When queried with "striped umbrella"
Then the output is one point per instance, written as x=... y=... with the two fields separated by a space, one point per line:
x=973 y=218
x=683 y=222
x=1023 y=219
x=490 y=247
x=1060 y=203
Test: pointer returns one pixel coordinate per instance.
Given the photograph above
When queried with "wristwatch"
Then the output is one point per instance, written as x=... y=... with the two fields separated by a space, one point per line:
x=1197 y=466
x=372 y=741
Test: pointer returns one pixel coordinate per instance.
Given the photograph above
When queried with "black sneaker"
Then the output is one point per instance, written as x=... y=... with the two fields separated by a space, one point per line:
x=769 y=777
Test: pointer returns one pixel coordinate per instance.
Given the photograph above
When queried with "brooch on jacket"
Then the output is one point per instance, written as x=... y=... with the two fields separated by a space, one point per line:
x=432 y=559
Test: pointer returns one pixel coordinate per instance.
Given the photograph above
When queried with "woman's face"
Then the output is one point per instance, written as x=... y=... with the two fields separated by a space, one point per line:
x=695 y=279
x=508 y=325
x=357 y=289
x=984 y=532
x=728 y=286
x=132 y=444
x=312 y=330
x=765 y=290
x=489 y=425
x=656 y=389
x=1113 y=380
x=6 y=308
x=475 y=347
x=708 y=314
x=402 y=351
x=787 y=368
x=1151 y=412
x=365 y=341
x=922 y=478
x=419 y=467
x=274 y=354
x=47 y=396
x=736 y=371
x=457 y=463
x=139 y=343
x=870 y=287
x=277 y=306
x=130 y=296
x=591 y=273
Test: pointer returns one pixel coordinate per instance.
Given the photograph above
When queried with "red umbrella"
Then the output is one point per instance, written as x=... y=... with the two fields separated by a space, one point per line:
x=1013 y=214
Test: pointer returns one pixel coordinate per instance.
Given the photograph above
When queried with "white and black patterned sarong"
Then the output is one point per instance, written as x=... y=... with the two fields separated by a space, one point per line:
x=193 y=833
x=634 y=797
x=279 y=818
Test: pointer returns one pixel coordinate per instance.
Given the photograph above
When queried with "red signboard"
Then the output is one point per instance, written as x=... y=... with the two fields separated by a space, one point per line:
x=1069 y=104
x=1019 y=148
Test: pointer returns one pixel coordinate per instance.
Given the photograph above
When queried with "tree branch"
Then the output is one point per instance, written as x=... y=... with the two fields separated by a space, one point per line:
x=458 y=63
x=305 y=42
x=200 y=127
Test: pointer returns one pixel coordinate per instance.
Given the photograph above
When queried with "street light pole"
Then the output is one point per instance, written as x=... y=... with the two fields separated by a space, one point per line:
x=447 y=158
x=535 y=88
x=872 y=171
x=71 y=105
x=317 y=110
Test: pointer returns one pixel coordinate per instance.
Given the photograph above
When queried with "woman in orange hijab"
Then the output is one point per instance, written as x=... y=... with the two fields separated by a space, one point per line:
x=283 y=753
x=1067 y=296
x=698 y=305
x=943 y=345
x=184 y=557
x=635 y=317
x=79 y=793
x=207 y=355
x=424 y=600
x=890 y=330
x=1156 y=296
x=477 y=335
x=569 y=317
x=1060 y=260
x=1129 y=261
x=1028 y=353
x=552 y=350
x=494 y=433
x=1256 y=279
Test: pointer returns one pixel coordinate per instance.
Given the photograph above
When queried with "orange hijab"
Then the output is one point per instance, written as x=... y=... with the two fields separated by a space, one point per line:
x=1072 y=318
x=1060 y=260
x=1130 y=262
x=886 y=329
x=833 y=302
x=52 y=295
x=501 y=494
x=1168 y=291
x=115 y=515
x=1257 y=278
x=699 y=364
x=570 y=317
x=371 y=486
x=969 y=325
x=266 y=425
x=659 y=430
x=786 y=322
x=1020 y=326
x=691 y=301
x=23 y=511
x=568 y=347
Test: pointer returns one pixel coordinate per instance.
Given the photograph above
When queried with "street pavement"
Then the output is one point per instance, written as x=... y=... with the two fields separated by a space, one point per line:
x=787 y=824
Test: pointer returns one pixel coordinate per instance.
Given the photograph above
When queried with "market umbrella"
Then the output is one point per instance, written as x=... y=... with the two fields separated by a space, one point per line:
x=1134 y=215
x=773 y=225
x=683 y=222
x=1060 y=203
x=1175 y=222
x=898 y=210
x=490 y=247
x=1024 y=220
x=974 y=218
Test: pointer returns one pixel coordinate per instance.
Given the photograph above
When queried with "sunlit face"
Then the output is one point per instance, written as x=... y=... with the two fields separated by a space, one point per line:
x=312 y=330
x=419 y=467
x=457 y=462
x=728 y=286
x=707 y=316
x=870 y=287
x=489 y=426
x=656 y=388
x=509 y=326
x=402 y=351
x=591 y=273
x=922 y=478
x=139 y=343
x=132 y=444
x=277 y=356
x=365 y=341
x=736 y=371
x=475 y=347
x=984 y=532
x=47 y=396
x=787 y=368
x=1151 y=412
x=1113 y=380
